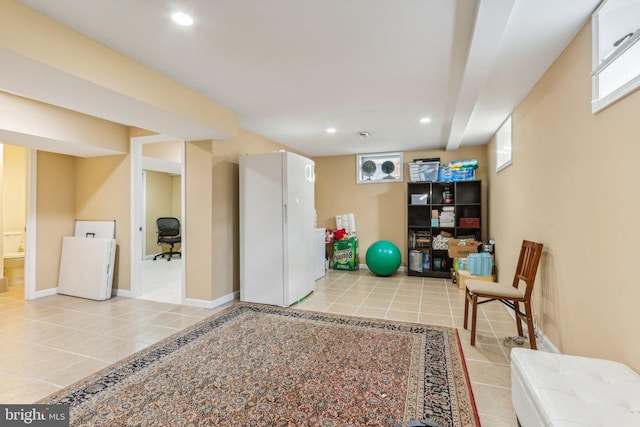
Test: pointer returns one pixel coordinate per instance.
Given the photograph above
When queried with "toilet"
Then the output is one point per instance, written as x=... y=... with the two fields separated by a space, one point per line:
x=13 y=257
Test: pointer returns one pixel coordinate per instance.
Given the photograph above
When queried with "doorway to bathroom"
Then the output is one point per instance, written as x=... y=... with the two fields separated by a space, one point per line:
x=13 y=220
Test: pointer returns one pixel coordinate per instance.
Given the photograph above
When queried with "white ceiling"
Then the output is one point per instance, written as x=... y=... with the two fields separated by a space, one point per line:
x=292 y=68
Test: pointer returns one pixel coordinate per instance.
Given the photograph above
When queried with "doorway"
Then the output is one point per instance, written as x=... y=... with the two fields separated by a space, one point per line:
x=14 y=192
x=158 y=191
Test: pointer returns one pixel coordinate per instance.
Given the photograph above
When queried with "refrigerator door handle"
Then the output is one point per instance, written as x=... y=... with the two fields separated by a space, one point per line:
x=285 y=213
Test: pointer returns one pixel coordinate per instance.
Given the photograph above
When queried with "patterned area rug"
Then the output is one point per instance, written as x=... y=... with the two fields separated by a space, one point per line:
x=255 y=365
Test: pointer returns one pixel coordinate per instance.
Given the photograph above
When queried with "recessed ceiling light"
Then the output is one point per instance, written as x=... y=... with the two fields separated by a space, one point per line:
x=183 y=19
x=331 y=130
x=425 y=120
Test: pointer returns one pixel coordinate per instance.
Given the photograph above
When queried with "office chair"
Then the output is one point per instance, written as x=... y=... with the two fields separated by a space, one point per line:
x=168 y=233
x=510 y=295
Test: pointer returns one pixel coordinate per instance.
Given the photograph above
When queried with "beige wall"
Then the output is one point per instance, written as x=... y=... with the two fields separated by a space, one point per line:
x=103 y=194
x=380 y=210
x=170 y=151
x=572 y=186
x=198 y=223
x=176 y=197
x=55 y=212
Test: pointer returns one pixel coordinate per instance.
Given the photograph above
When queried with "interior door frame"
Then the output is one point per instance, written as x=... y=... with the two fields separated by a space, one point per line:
x=138 y=209
x=30 y=225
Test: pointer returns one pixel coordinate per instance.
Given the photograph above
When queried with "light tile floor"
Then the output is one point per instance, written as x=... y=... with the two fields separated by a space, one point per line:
x=162 y=280
x=52 y=342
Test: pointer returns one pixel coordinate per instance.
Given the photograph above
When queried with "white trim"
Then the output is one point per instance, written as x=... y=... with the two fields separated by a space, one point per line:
x=30 y=222
x=45 y=293
x=211 y=303
x=143 y=215
x=504 y=144
x=598 y=102
x=183 y=216
x=621 y=92
x=545 y=344
x=121 y=293
x=366 y=267
x=616 y=53
x=136 y=220
x=541 y=339
x=137 y=210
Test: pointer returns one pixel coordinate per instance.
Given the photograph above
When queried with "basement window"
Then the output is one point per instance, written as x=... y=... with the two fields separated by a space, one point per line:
x=616 y=51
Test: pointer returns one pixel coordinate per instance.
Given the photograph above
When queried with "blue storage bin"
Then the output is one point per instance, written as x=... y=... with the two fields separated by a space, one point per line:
x=480 y=264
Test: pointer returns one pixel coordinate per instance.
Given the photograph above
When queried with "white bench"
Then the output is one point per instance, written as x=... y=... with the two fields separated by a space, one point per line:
x=551 y=389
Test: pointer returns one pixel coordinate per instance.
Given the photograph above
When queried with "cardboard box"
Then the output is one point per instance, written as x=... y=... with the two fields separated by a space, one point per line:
x=345 y=254
x=461 y=248
x=460 y=264
x=470 y=222
x=462 y=276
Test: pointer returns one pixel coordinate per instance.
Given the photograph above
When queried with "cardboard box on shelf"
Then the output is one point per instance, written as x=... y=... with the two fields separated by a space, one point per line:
x=460 y=248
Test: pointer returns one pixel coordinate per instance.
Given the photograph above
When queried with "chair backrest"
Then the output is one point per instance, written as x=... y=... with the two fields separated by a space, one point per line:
x=528 y=266
x=168 y=227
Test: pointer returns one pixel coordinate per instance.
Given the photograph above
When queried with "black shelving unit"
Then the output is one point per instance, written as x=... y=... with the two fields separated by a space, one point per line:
x=463 y=198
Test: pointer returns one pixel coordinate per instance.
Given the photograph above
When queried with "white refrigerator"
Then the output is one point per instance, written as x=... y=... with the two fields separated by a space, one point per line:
x=277 y=222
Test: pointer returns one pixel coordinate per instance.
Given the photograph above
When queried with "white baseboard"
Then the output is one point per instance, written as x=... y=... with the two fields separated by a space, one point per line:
x=45 y=293
x=121 y=293
x=366 y=267
x=545 y=344
x=211 y=303
x=542 y=341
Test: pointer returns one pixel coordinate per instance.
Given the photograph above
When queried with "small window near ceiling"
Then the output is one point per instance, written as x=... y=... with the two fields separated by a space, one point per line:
x=503 y=145
x=616 y=51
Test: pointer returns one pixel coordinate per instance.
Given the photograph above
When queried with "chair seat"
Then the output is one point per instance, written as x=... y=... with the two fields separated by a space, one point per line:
x=495 y=289
x=170 y=240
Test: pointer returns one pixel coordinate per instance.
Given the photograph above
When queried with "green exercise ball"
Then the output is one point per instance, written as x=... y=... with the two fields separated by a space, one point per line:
x=383 y=258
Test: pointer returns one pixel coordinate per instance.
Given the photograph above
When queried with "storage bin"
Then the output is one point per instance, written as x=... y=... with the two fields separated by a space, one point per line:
x=440 y=243
x=415 y=261
x=446 y=174
x=480 y=264
x=425 y=171
x=419 y=199
x=470 y=222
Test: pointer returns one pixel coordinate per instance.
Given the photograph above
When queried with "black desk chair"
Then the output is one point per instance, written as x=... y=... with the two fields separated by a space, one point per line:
x=168 y=233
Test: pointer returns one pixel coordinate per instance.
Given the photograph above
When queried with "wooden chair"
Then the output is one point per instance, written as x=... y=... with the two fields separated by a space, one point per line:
x=510 y=295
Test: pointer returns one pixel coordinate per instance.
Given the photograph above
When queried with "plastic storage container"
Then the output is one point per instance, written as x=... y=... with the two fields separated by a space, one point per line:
x=480 y=264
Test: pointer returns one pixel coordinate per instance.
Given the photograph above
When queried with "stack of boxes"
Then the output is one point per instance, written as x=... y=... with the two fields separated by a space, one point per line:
x=468 y=263
x=447 y=217
x=345 y=250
